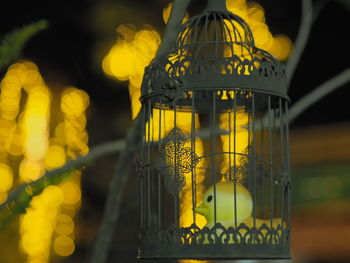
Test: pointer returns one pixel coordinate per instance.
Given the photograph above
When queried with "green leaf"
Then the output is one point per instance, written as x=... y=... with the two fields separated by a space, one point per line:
x=12 y=44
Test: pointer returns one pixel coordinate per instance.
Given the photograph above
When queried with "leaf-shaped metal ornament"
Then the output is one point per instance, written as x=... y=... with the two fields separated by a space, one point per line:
x=176 y=160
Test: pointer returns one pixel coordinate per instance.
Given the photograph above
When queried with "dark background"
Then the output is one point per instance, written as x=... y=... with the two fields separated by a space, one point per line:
x=81 y=33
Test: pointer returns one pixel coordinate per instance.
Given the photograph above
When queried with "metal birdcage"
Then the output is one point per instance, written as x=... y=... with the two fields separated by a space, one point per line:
x=214 y=164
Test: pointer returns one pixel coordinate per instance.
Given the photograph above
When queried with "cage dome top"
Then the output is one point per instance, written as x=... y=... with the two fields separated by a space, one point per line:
x=215 y=50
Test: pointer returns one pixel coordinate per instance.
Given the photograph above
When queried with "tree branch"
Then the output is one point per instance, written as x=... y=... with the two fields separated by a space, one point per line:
x=19 y=199
x=318 y=93
x=308 y=100
x=115 y=194
x=309 y=15
x=318 y=7
x=345 y=3
x=172 y=29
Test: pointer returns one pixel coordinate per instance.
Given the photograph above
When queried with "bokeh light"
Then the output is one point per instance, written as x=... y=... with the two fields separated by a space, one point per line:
x=286 y=46
x=71 y=193
x=253 y=13
x=6 y=175
x=128 y=58
x=3 y=197
x=52 y=196
x=31 y=170
x=74 y=102
x=25 y=124
x=64 y=225
x=64 y=245
x=55 y=157
x=14 y=144
x=33 y=244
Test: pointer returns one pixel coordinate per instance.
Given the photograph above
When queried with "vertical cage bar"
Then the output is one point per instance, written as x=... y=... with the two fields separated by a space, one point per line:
x=177 y=204
x=164 y=121
x=159 y=177
x=249 y=179
x=234 y=155
x=275 y=160
x=271 y=160
x=282 y=160
x=216 y=36
x=253 y=153
x=213 y=149
x=152 y=185
x=149 y=213
x=193 y=146
x=229 y=145
x=206 y=29
x=143 y=116
x=261 y=174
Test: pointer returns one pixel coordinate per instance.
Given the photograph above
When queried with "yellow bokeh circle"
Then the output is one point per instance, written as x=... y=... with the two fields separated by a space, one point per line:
x=30 y=170
x=64 y=225
x=286 y=46
x=55 y=157
x=52 y=196
x=36 y=221
x=3 y=197
x=32 y=244
x=71 y=193
x=63 y=246
x=74 y=101
x=6 y=177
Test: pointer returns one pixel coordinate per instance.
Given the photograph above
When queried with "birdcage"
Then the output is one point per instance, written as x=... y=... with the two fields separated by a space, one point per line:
x=214 y=164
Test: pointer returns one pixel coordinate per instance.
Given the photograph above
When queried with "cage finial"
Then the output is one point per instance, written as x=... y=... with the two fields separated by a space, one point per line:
x=216 y=5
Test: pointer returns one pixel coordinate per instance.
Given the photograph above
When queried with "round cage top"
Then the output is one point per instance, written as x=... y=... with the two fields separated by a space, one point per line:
x=214 y=51
x=216 y=34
